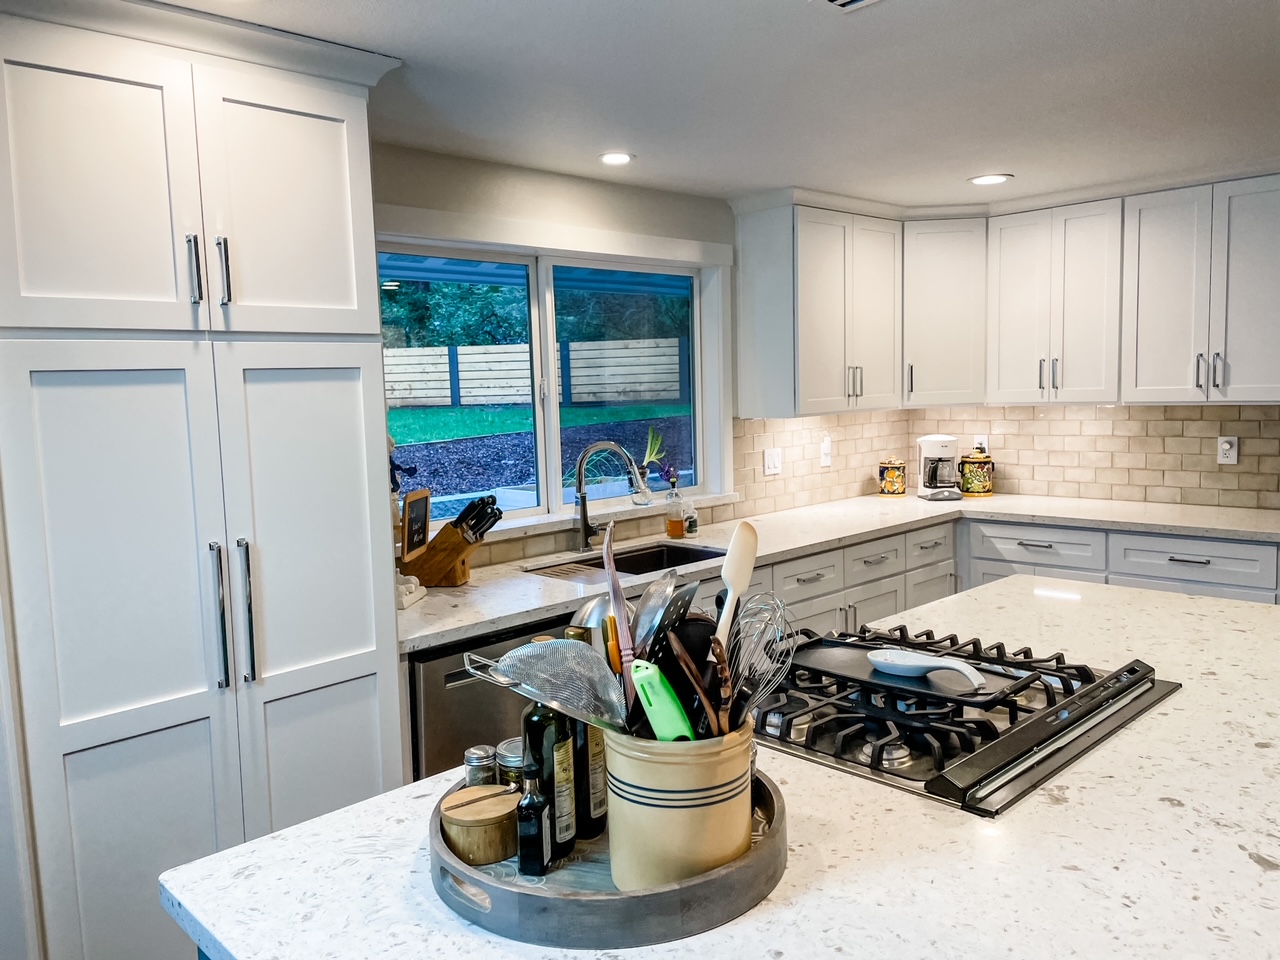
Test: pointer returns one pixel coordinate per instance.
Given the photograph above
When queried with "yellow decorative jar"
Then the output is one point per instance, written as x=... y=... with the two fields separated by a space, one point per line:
x=976 y=473
x=893 y=477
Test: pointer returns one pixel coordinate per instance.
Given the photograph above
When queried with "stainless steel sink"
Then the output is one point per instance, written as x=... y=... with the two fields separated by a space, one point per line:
x=638 y=560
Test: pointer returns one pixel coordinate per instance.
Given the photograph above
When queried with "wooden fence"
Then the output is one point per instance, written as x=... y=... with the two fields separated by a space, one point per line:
x=605 y=371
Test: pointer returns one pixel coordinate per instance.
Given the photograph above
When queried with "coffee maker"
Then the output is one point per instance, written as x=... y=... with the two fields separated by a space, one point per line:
x=938 y=467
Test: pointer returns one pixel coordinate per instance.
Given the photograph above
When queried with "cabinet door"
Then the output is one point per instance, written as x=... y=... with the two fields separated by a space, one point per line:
x=821 y=614
x=1166 y=296
x=109 y=466
x=304 y=466
x=1018 y=256
x=1244 y=335
x=989 y=571
x=877 y=313
x=875 y=601
x=98 y=183
x=284 y=169
x=944 y=311
x=824 y=300
x=930 y=583
x=1085 y=303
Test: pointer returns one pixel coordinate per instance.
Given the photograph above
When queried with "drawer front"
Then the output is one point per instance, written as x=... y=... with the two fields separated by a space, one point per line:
x=874 y=560
x=809 y=576
x=1194 y=589
x=705 y=598
x=989 y=571
x=1082 y=576
x=930 y=545
x=930 y=583
x=821 y=614
x=875 y=601
x=1050 y=546
x=1206 y=561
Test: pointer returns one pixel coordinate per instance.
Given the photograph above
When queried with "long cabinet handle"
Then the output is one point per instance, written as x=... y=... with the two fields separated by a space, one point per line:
x=813 y=579
x=1042 y=373
x=1038 y=546
x=1199 y=375
x=216 y=549
x=252 y=675
x=224 y=254
x=1217 y=380
x=197 y=274
x=857 y=381
x=876 y=561
x=850 y=389
x=1053 y=377
x=1201 y=561
x=911 y=378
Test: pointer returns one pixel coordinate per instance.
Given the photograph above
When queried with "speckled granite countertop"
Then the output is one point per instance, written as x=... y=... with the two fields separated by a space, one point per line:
x=1164 y=841
x=506 y=595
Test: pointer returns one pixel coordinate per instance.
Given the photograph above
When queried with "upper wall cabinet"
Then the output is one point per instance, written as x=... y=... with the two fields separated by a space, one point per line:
x=101 y=217
x=944 y=311
x=819 y=311
x=1244 y=305
x=1167 y=240
x=1053 y=310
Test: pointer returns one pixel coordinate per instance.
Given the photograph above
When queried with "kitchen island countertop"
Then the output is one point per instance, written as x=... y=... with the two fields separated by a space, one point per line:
x=1164 y=841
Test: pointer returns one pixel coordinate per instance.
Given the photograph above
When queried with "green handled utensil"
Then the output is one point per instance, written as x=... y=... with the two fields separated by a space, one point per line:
x=661 y=707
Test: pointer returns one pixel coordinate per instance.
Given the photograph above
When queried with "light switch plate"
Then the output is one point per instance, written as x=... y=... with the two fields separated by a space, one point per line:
x=1228 y=449
x=824 y=452
x=772 y=461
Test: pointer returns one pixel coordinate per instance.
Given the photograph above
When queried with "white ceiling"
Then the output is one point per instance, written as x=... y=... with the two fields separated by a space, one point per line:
x=899 y=101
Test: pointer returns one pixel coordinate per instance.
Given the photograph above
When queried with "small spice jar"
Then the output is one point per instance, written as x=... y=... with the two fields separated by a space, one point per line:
x=511 y=762
x=481 y=764
x=893 y=477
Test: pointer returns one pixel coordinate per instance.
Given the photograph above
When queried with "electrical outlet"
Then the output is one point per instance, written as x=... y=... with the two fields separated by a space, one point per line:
x=1228 y=449
x=772 y=461
x=980 y=440
x=825 y=451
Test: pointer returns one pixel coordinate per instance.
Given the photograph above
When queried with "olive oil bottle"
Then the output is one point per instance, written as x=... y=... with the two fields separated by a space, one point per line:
x=533 y=818
x=548 y=745
x=591 y=795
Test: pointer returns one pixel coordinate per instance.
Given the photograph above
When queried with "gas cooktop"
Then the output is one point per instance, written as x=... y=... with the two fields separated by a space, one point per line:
x=981 y=749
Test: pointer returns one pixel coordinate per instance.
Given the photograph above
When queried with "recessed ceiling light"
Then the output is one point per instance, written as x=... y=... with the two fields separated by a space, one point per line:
x=616 y=159
x=988 y=179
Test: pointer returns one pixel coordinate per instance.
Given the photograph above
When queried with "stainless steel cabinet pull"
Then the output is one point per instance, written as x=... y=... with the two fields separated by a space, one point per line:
x=814 y=579
x=1202 y=561
x=222 y=617
x=197 y=275
x=930 y=546
x=875 y=561
x=1042 y=373
x=1038 y=546
x=1053 y=377
x=224 y=254
x=857 y=381
x=1213 y=366
x=1199 y=375
x=911 y=378
x=252 y=675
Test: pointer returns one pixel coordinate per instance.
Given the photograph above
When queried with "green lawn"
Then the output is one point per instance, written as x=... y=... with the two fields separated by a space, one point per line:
x=426 y=424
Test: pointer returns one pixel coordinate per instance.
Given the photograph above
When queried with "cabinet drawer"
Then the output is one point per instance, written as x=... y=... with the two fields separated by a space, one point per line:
x=809 y=576
x=1205 y=561
x=874 y=560
x=1051 y=546
x=989 y=571
x=821 y=614
x=1194 y=589
x=930 y=583
x=930 y=545
x=875 y=601
x=705 y=598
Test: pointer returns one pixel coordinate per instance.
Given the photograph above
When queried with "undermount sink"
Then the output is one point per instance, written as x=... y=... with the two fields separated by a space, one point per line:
x=639 y=560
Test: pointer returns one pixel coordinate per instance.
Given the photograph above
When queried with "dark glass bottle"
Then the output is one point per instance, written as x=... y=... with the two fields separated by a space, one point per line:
x=533 y=816
x=591 y=796
x=548 y=745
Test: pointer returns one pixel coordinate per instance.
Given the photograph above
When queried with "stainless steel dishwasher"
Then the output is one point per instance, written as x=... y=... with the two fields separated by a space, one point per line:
x=452 y=710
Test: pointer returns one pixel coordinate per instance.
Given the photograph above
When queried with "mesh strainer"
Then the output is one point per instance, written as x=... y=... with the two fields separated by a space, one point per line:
x=566 y=675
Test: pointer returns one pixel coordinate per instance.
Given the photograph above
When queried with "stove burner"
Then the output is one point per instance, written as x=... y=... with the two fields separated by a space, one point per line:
x=895 y=755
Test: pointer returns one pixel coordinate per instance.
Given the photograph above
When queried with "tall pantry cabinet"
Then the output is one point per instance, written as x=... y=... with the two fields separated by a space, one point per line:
x=192 y=464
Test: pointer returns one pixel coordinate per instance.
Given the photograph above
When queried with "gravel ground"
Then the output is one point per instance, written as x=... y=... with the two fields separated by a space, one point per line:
x=508 y=459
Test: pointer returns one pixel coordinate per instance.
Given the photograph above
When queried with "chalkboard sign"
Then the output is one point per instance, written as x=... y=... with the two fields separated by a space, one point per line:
x=414 y=524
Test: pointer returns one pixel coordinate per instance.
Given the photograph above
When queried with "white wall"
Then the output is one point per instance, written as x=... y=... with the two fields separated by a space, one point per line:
x=414 y=178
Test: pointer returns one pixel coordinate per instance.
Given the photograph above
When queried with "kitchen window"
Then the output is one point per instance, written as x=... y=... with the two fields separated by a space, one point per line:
x=501 y=369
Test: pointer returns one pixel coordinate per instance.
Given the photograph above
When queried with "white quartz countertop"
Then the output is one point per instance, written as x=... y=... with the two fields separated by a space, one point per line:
x=506 y=595
x=1163 y=841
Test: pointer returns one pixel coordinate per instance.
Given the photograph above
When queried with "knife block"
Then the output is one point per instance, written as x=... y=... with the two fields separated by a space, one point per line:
x=444 y=564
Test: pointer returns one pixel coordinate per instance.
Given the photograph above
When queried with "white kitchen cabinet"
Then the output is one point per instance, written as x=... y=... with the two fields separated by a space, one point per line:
x=926 y=584
x=1167 y=241
x=874 y=601
x=114 y=218
x=1244 y=335
x=705 y=597
x=944 y=311
x=989 y=571
x=1193 y=589
x=819 y=295
x=825 y=614
x=162 y=723
x=1053 y=310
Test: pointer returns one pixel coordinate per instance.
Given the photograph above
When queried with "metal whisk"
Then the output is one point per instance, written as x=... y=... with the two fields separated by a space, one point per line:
x=760 y=648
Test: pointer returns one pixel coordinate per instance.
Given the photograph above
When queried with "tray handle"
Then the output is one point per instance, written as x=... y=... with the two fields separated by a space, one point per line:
x=458 y=889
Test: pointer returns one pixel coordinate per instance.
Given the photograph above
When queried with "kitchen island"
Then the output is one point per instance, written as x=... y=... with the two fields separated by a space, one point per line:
x=1164 y=841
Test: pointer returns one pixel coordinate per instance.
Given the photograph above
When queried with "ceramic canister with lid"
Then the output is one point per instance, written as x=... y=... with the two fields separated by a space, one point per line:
x=976 y=473
x=893 y=477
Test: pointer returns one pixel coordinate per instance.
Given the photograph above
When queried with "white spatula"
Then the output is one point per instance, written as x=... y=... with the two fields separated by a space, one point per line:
x=739 y=564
